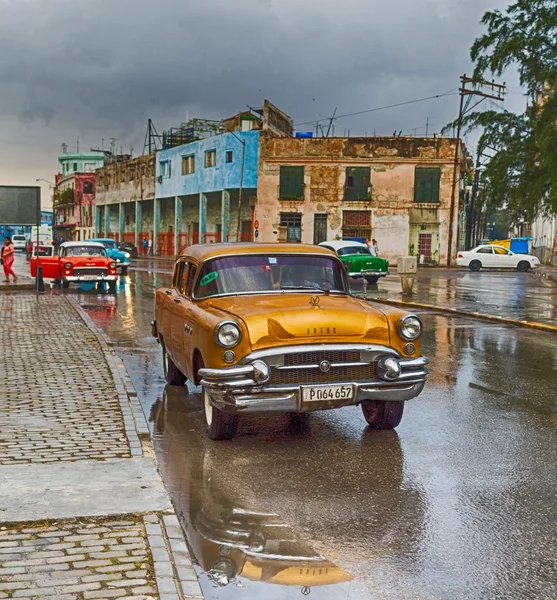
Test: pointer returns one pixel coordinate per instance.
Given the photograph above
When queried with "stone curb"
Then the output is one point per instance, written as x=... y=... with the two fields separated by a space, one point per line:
x=175 y=576
x=463 y=313
x=17 y=287
x=135 y=422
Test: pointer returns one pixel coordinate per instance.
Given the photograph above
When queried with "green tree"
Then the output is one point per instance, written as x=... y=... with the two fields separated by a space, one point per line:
x=522 y=175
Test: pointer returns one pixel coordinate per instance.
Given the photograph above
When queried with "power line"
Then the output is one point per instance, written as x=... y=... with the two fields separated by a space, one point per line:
x=370 y=110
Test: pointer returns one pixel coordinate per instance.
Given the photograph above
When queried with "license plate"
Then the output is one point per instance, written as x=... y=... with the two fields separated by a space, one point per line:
x=88 y=277
x=327 y=392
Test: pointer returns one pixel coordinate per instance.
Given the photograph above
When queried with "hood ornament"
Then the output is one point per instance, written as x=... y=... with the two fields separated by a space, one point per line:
x=314 y=300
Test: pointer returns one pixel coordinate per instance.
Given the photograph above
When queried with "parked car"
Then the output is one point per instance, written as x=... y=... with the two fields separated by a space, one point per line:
x=273 y=328
x=129 y=248
x=19 y=241
x=358 y=259
x=490 y=256
x=77 y=262
x=113 y=251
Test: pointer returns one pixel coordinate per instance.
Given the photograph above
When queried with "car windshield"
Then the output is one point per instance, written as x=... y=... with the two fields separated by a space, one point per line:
x=84 y=251
x=271 y=273
x=353 y=250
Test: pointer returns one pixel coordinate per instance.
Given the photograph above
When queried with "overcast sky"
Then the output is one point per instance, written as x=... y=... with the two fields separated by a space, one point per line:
x=98 y=69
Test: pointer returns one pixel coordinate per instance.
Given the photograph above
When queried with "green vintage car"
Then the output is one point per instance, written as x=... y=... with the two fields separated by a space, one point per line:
x=359 y=261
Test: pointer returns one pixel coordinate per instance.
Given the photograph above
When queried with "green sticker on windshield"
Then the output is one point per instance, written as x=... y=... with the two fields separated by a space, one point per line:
x=208 y=278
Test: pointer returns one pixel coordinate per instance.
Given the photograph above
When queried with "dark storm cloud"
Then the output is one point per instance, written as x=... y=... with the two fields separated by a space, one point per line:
x=103 y=67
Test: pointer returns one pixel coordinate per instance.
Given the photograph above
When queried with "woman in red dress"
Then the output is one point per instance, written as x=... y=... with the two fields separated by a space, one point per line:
x=8 y=259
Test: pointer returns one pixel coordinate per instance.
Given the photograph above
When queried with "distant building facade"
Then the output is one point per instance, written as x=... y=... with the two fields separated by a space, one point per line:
x=125 y=199
x=74 y=195
x=396 y=190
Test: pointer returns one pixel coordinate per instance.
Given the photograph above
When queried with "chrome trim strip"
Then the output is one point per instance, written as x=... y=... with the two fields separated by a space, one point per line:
x=333 y=366
x=277 y=351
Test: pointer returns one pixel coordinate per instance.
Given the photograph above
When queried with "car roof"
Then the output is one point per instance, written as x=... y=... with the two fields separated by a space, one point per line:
x=101 y=240
x=203 y=252
x=337 y=244
x=490 y=246
x=86 y=243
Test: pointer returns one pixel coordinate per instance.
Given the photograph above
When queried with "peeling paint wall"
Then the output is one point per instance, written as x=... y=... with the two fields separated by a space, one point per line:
x=126 y=181
x=395 y=217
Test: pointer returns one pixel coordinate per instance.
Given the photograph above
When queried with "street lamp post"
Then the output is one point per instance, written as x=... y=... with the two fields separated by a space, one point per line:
x=239 y=220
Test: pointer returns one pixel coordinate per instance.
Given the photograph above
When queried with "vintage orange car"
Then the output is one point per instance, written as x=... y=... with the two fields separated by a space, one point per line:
x=77 y=262
x=274 y=328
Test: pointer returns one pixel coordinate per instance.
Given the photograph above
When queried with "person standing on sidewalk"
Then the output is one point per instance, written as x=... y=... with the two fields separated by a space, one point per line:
x=144 y=244
x=150 y=244
x=8 y=259
x=374 y=249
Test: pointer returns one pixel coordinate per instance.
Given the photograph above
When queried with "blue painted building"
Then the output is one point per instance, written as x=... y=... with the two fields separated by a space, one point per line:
x=198 y=187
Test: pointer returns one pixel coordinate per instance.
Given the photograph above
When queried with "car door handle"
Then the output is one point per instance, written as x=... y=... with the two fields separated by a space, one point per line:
x=168 y=292
x=177 y=300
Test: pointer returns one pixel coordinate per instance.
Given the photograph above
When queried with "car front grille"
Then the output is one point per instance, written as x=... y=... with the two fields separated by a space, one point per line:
x=283 y=376
x=314 y=358
x=81 y=271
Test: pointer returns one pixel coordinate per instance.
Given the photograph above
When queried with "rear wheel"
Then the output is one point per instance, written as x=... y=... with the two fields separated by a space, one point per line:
x=172 y=373
x=372 y=279
x=523 y=266
x=475 y=265
x=382 y=414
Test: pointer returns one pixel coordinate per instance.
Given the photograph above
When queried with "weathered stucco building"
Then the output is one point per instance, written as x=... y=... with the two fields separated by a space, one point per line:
x=125 y=202
x=396 y=190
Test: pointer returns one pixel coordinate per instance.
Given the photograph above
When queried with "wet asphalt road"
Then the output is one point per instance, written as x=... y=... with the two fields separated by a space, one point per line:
x=459 y=502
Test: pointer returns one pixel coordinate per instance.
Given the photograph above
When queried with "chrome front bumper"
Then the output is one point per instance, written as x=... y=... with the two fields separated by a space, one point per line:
x=369 y=274
x=90 y=278
x=237 y=390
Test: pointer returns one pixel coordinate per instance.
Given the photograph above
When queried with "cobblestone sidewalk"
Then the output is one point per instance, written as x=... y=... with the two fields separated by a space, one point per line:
x=58 y=397
x=65 y=396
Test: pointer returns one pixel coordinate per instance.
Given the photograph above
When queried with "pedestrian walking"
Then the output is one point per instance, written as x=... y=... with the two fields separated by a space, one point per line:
x=374 y=249
x=8 y=259
x=144 y=244
x=150 y=244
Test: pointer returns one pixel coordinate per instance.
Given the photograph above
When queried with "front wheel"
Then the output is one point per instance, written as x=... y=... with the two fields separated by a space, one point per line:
x=218 y=424
x=65 y=284
x=111 y=286
x=381 y=414
x=523 y=266
x=172 y=373
x=475 y=265
x=372 y=279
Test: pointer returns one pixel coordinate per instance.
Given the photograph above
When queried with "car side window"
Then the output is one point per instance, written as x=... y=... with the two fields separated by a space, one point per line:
x=485 y=251
x=501 y=251
x=191 y=279
x=178 y=274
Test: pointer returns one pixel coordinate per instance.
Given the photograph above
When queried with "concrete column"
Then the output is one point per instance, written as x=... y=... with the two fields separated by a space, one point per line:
x=225 y=215
x=97 y=221
x=202 y=217
x=106 y=219
x=121 y=221
x=138 y=223
x=177 y=223
x=156 y=223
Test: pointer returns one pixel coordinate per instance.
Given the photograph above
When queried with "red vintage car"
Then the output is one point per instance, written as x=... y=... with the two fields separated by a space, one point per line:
x=77 y=262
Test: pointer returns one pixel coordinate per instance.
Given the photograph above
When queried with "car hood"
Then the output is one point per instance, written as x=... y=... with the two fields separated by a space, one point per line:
x=87 y=261
x=288 y=319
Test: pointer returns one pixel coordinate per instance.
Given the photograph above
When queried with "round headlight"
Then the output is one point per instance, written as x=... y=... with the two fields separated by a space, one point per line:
x=127 y=254
x=112 y=265
x=227 y=334
x=68 y=265
x=410 y=327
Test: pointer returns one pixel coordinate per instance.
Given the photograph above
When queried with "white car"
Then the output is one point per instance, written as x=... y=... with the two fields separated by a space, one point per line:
x=495 y=257
x=19 y=241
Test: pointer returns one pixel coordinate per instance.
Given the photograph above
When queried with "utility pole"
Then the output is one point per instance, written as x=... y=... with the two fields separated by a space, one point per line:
x=497 y=91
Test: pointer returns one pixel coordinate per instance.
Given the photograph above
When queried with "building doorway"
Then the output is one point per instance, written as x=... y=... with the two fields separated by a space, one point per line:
x=320 y=228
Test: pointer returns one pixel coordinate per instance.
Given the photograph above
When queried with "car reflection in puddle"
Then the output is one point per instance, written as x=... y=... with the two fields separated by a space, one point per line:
x=235 y=546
